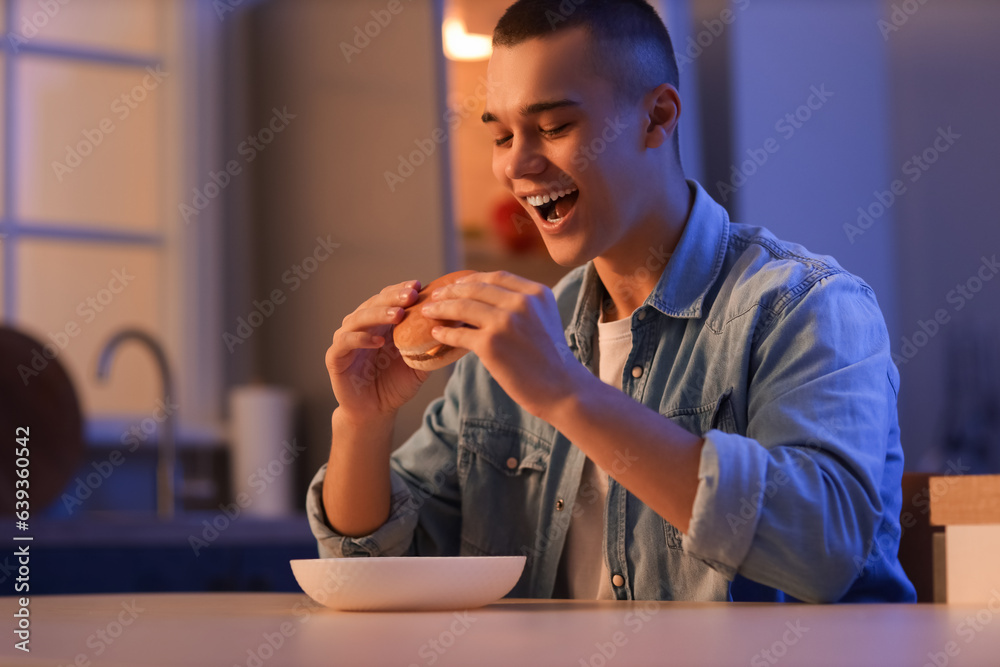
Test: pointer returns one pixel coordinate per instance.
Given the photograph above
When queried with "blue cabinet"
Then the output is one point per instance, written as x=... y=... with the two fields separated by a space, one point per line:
x=142 y=555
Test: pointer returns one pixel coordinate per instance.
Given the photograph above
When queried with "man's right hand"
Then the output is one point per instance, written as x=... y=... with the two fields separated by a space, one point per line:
x=367 y=372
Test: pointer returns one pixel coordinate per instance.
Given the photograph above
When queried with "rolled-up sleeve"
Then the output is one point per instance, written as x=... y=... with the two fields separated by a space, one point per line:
x=796 y=502
x=392 y=538
x=425 y=509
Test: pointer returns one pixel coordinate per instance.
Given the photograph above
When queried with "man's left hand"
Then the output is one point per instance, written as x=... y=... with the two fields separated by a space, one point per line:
x=515 y=329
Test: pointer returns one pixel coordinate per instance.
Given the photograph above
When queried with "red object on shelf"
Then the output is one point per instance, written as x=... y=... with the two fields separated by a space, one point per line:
x=514 y=226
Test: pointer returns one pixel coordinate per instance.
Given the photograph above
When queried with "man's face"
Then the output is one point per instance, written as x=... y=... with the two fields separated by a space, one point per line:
x=556 y=130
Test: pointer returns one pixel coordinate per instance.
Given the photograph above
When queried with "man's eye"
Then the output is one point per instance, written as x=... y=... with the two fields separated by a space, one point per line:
x=502 y=140
x=556 y=130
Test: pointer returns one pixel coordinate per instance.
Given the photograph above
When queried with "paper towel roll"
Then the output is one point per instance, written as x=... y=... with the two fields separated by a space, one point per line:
x=263 y=449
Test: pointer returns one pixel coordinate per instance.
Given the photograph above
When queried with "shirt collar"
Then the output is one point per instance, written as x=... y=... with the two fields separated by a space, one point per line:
x=689 y=275
x=697 y=259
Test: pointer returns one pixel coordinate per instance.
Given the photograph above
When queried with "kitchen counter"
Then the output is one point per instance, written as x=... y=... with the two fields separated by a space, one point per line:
x=144 y=630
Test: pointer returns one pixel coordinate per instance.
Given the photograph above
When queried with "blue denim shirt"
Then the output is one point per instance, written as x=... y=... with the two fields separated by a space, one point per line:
x=777 y=356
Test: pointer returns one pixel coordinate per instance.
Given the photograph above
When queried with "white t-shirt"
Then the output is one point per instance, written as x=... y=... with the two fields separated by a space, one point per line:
x=585 y=570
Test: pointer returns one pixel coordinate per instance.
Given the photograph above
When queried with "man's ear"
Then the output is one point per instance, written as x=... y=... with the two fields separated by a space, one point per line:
x=663 y=106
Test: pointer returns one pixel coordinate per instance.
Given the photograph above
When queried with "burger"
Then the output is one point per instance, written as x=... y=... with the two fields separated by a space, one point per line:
x=412 y=335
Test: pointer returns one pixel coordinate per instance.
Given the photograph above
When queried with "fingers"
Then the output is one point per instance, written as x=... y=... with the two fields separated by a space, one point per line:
x=367 y=326
x=494 y=295
x=365 y=319
x=455 y=336
x=500 y=289
x=363 y=340
x=470 y=311
x=383 y=309
x=400 y=294
x=504 y=279
x=488 y=301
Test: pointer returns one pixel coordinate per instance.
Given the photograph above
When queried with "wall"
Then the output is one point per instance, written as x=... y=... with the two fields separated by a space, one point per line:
x=891 y=93
x=324 y=176
x=804 y=177
x=943 y=64
x=901 y=79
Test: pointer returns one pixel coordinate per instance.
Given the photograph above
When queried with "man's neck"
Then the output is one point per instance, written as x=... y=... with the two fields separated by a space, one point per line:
x=630 y=272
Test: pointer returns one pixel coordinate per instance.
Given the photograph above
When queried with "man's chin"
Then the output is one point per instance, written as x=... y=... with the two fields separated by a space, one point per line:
x=567 y=254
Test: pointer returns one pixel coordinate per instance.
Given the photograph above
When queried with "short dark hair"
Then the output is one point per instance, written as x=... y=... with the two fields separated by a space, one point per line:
x=631 y=47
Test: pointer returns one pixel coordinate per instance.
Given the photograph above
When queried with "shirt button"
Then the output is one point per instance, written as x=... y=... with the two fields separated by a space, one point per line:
x=618 y=580
x=560 y=504
x=641 y=315
x=512 y=463
x=637 y=371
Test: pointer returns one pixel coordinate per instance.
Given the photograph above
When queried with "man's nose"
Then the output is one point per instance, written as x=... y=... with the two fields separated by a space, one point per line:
x=523 y=160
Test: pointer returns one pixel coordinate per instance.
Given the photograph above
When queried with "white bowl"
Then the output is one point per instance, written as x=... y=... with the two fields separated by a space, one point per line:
x=407 y=582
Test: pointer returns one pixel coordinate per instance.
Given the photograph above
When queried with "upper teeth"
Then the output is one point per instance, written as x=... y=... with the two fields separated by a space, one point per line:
x=538 y=200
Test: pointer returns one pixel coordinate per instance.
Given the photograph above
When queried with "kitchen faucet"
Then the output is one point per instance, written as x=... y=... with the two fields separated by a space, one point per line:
x=166 y=445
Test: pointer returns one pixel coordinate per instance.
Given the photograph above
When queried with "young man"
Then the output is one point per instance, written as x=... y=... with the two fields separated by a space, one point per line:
x=699 y=411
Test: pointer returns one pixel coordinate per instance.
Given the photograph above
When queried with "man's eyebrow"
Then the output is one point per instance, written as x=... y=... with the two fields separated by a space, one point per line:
x=535 y=108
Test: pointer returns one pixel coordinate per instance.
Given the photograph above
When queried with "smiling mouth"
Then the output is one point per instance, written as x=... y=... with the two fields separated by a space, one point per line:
x=554 y=207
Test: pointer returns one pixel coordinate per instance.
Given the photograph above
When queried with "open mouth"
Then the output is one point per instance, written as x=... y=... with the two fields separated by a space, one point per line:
x=555 y=206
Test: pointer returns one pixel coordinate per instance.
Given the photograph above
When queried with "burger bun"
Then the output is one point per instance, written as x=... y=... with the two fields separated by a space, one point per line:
x=412 y=336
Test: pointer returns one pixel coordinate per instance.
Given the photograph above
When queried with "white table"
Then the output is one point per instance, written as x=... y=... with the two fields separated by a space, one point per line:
x=267 y=630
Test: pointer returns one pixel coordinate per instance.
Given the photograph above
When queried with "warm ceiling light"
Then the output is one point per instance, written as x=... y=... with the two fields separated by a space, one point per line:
x=460 y=45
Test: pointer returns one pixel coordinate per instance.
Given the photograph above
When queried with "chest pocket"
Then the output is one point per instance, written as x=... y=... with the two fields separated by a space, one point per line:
x=501 y=470
x=718 y=415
